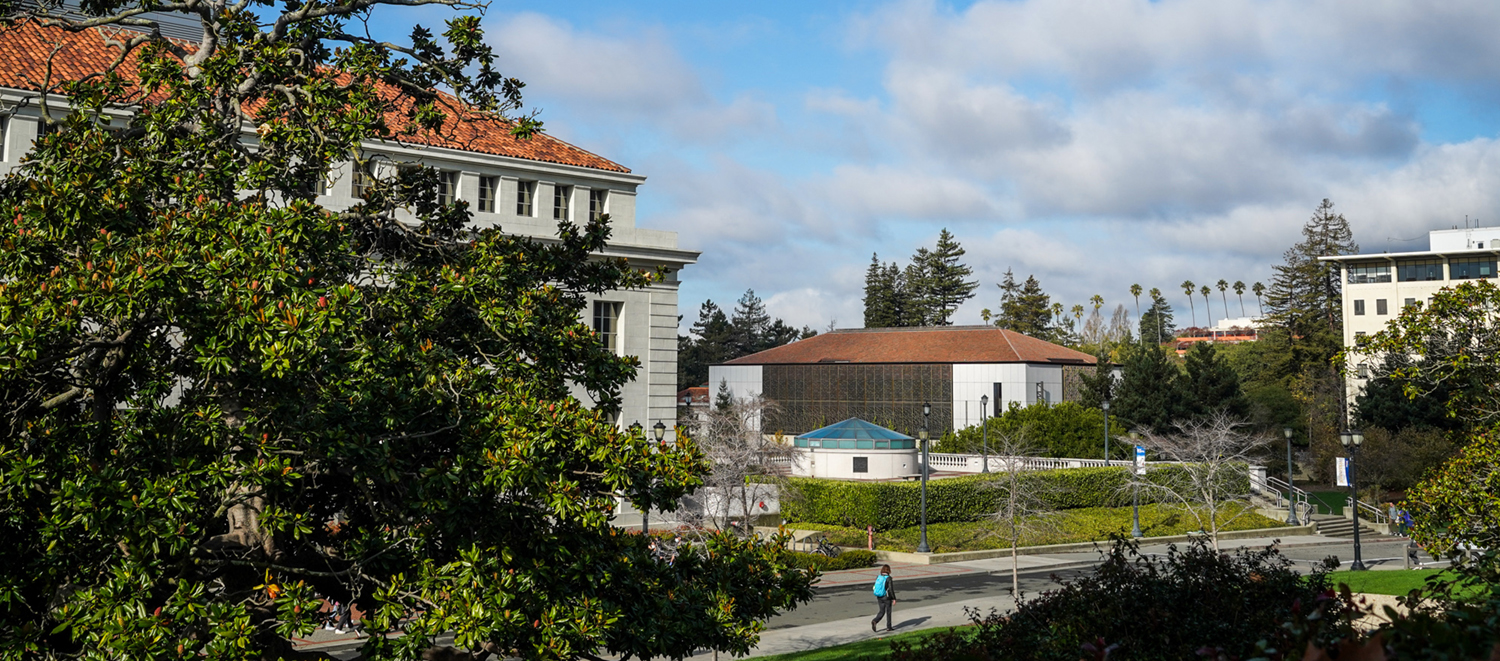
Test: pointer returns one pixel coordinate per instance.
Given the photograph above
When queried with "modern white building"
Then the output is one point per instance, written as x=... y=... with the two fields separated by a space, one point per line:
x=885 y=375
x=523 y=186
x=1377 y=286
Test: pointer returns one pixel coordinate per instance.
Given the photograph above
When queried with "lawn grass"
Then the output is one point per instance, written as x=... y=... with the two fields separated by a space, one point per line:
x=1090 y=524
x=874 y=648
x=1329 y=502
x=1394 y=581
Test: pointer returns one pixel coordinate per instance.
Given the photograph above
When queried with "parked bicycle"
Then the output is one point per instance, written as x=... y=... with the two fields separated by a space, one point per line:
x=828 y=549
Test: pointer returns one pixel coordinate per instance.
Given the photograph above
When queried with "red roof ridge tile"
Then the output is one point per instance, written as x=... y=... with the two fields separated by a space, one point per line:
x=25 y=50
x=930 y=344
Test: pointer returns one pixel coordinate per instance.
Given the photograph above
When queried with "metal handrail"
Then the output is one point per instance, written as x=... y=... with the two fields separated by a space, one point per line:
x=1296 y=495
x=1367 y=510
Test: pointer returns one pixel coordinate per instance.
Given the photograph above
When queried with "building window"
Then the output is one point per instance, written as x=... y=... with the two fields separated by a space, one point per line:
x=996 y=409
x=1358 y=335
x=487 y=188
x=1408 y=302
x=1468 y=269
x=1359 y=308
x=561 y=195
x=4 y=131
x=1380 y=307
x=596 y=203
x=447 y=186
x=525 y=191
x=363 y=179
x=861 y=464
x=1419 y=270
x=1360 y=274
x=1364 y=371
x=607 y=324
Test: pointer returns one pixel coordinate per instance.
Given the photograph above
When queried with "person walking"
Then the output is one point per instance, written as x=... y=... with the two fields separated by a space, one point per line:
x=885 y=595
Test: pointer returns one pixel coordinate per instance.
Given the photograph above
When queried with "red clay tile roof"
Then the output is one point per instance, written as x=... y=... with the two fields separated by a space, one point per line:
x=942 y=344
x=25 y=49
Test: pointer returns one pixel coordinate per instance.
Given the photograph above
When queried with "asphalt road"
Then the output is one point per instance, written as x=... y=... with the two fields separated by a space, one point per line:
x=844 y=602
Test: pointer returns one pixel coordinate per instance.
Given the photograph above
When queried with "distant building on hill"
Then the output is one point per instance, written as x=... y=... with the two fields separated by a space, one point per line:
x=1233 y=330
x=884 y=375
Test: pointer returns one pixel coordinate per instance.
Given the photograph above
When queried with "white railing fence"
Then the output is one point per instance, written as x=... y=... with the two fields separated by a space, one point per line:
x=974 y=463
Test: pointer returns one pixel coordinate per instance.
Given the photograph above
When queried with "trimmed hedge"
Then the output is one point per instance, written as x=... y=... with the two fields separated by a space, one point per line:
x=893 y=505
x=846 y=560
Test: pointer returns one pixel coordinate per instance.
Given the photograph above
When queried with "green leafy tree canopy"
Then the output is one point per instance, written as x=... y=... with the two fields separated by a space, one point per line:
x=221 y=400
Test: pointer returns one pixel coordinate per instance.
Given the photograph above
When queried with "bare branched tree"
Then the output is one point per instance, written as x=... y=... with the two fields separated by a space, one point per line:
x=1026 y=507
x=1213 y=455
x=748 y=467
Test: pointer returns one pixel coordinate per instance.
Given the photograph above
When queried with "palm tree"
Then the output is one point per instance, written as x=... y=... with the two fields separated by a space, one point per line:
x=1135 y=290
x=1057 y=314
x=1187 y=288
x=1098 y=301
x=1223 y=285
x=1207 y=310
x=1259 y=289
x=1239 y=290
x=1078 y=313
x=1156 y=296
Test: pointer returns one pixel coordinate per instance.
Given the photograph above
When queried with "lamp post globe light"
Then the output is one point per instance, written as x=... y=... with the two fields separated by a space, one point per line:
x=1105 y=406
x=1291 y=506
x=1135 y=492
x=984 y=408
x=922 y=545
x=1351 y=440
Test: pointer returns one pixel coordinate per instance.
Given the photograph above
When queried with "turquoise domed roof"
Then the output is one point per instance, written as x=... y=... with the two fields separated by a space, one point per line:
x=856 y=434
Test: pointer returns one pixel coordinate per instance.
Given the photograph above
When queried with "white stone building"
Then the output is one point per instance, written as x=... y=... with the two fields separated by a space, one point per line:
x=524 y=187
x=1377 y=286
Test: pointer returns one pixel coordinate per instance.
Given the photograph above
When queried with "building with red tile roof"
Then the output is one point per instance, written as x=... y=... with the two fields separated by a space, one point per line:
x=525 y=187
x=885 y=375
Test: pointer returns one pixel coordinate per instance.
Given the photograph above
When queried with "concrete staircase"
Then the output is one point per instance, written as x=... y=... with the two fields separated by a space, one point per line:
x=1332 y=525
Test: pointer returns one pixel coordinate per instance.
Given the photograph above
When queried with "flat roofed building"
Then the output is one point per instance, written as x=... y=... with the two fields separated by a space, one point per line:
x=525 y=187
x=885 y=375
x=1378 y=286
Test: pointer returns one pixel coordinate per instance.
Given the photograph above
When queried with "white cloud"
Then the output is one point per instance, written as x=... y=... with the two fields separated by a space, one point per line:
x=607 y=76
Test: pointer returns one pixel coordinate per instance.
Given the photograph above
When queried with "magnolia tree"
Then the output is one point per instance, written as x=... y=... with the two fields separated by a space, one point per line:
x=747 y=468
x=1448 y=347
x=221 y=400
x=1213 y=456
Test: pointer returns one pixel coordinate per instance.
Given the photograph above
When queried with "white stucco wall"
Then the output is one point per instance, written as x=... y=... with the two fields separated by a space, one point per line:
x=839 y=464
x=744 y=380
x=648 y=327
x=972 y=381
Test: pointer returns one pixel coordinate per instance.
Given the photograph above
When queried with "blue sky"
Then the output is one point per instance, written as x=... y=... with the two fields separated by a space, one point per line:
x=1094 y=144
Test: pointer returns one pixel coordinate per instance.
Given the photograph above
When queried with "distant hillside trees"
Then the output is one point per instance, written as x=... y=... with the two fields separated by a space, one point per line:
x=926 y=293
x=717 y=338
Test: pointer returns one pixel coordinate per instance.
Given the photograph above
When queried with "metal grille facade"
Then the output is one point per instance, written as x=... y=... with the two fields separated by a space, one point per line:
x=1072 y=381
x=814 y=396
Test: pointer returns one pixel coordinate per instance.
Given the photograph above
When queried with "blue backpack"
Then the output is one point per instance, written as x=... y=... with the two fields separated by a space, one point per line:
x=880 y=584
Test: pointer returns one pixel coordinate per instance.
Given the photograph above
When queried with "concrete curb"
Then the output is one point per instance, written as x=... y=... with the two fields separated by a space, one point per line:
x=986 y=554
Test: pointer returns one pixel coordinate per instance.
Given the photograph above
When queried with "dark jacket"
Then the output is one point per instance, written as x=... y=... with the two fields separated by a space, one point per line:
x=890 y=587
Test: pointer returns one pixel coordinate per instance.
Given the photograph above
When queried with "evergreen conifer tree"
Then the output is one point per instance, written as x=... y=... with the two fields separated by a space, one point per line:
x=723 y=400
x=1305 y=299
x=751 y=325
x=916 y=291
x=1156 y=323
x=1025 y=308
x=1211 y=385
x=945 y=281
x=1149 y=395
x=881 y=307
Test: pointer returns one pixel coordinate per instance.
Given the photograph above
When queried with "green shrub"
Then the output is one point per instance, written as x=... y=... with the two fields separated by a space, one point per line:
x=845 y=560
x=1065 y=429
x=892 y=505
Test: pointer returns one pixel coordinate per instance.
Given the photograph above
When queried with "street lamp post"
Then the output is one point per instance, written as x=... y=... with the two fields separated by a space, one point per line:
x=926 y=468
x=984 y=407
x=1135 y=489
x=1106 y=431
x=1291 y=505
x=635 y=429
x=1352 y=440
